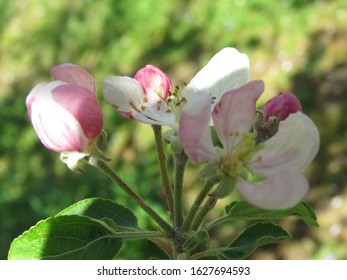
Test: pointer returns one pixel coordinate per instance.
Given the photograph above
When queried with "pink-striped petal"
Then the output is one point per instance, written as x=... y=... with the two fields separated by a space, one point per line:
x=234 y=114
x=226 y=70
x=281 y=190
x=83 y=105
x=293 y=147
x=194 y=129
x=74 y=75
x=57 y=129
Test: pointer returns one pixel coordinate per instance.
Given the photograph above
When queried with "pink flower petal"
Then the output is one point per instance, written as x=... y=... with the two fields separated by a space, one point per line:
x=226 y=70
x=57 y=129
x=74 y=75
x=152 y=77
x=83 y=105
x=294 y=146
x=280 y=191
x=235 y=112
x=281 y=106
x=194 y=129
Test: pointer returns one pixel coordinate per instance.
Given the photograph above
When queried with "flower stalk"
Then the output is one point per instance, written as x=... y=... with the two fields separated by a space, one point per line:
x=167 y=189
x=208 y=205
x=101 y=165
x=180 y=161
x=209 y=183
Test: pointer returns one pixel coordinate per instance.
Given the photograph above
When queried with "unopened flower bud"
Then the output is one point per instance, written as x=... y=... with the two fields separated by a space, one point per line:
x=155 y=79
x=66 y=116
x=281 y=106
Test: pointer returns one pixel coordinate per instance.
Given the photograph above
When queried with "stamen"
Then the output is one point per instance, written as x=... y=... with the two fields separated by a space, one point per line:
x=134 y=107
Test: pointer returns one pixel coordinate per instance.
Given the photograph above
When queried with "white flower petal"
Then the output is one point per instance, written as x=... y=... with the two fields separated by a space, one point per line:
x=124 y=93
x=156 y=109
x=280 y=191
x=226 y=70
x=294 y=146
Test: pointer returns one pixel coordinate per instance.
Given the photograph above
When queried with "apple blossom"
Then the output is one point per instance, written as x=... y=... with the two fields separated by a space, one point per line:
x=65 y=113
x=148 y=97
x=267 y=173
x=142 y=98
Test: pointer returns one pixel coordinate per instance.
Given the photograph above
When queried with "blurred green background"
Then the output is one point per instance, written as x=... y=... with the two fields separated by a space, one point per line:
x=294 y=45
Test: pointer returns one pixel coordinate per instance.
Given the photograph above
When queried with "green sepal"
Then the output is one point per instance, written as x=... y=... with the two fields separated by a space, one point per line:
x=208 y=171
x=172 y=138
x=224 y=188
x=194 y=241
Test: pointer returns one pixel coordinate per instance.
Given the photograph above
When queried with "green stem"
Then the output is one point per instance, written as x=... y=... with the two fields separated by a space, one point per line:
x=180 y=161
x=163 y=168
x=209 y=204
x=197 y=203
x=101 y=165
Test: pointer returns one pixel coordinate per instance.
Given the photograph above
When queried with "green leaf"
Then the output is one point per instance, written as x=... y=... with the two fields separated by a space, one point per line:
x=242 y=210
x=254 y=236
x=110 y=212
x=66 y=238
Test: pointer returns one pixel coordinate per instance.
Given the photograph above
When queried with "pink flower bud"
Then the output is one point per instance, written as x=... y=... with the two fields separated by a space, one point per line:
x=66 y=116
x=155 y=79
x=281 y=106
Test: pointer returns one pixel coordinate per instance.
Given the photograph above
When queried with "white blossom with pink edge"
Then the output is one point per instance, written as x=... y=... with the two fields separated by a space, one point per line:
x=65 y=113
x=277 y=163
x=133 y=98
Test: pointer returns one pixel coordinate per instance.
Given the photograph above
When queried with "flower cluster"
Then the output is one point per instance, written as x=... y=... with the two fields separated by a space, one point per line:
x=262 y=151
x=267 y=173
